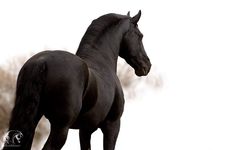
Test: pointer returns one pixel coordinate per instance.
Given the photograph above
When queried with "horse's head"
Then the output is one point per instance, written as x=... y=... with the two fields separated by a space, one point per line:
x=132 y=49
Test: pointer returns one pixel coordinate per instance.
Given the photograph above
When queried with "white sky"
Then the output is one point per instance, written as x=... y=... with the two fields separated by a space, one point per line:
x=191 y=43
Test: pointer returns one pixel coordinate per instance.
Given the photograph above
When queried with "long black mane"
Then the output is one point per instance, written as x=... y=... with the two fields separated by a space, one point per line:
x=97 y=28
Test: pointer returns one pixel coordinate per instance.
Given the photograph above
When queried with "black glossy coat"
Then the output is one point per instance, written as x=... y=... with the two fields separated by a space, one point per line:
x=79 y=91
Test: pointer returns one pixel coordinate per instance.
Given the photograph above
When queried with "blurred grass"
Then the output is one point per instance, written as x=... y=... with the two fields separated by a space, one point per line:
x=8 y=76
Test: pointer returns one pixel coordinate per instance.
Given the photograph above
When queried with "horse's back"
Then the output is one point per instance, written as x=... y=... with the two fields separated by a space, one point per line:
x=66 y=77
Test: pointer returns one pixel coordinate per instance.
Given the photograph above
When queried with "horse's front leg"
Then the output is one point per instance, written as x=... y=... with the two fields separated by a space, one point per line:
x=110 y=131
x=85 y=137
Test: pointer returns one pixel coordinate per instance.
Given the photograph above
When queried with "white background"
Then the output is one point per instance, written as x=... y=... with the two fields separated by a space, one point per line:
x=192 y=44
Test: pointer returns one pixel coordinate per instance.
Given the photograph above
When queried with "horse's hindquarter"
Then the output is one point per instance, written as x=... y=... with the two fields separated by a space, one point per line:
x=62 y=94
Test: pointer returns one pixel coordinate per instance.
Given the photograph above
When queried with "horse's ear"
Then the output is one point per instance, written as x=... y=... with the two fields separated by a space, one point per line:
x=136 y=18
x=128 y=14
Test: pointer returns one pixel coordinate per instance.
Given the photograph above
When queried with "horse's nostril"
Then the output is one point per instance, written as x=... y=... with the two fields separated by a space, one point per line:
x=150 y=64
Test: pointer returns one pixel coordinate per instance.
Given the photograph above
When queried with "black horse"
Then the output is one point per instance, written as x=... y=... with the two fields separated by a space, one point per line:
x=79 y=91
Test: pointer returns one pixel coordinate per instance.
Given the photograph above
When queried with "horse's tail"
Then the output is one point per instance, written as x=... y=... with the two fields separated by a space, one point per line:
x=26 y=112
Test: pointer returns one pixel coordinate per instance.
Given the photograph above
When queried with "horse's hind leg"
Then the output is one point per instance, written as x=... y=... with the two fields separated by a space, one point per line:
x=57 y=138
x=31 y=131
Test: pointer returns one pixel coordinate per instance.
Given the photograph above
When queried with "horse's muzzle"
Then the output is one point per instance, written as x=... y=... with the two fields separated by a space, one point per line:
x=144 y=70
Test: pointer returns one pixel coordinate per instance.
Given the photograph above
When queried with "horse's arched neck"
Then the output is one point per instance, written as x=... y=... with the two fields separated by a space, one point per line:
x=103 y=49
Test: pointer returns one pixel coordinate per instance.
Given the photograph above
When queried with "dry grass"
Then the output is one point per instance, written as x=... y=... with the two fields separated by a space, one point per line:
x=8 y=75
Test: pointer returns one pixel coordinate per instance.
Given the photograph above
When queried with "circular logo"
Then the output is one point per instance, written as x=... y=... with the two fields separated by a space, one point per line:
x=12 y=138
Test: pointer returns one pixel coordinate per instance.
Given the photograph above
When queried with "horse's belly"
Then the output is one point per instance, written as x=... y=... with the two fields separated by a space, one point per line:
x=93 y=117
